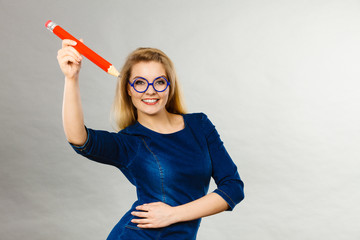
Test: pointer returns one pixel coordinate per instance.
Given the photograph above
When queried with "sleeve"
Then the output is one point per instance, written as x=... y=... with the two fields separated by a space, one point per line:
x=104 y=147
x=224 y=171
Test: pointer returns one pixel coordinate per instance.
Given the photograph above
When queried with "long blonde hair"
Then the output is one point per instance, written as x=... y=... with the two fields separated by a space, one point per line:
x=123 y=112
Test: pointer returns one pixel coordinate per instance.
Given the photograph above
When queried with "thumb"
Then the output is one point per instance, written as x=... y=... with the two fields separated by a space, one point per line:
x=81 y=40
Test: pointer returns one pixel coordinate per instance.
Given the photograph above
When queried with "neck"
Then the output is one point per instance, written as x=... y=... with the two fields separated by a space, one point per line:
x=160 y=119
x=163 y=122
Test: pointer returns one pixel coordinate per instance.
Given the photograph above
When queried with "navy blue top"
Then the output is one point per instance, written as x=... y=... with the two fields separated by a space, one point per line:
x=173 y=168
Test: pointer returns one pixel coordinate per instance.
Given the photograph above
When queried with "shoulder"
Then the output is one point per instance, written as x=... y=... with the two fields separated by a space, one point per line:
x=200 y=121
x=200 y=116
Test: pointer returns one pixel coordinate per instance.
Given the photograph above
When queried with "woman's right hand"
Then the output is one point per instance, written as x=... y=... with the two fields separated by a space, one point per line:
x=69 y=59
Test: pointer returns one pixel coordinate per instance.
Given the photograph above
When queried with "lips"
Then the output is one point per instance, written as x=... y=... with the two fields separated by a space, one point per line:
x=150 y=101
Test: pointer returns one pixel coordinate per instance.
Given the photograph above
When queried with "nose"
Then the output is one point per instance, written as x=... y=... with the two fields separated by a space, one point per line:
x=150 y=90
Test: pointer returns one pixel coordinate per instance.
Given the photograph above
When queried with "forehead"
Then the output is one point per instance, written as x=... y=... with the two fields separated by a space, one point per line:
x=147 y=70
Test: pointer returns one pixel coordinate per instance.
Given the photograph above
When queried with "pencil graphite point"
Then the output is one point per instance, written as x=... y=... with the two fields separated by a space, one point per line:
x=112 y=70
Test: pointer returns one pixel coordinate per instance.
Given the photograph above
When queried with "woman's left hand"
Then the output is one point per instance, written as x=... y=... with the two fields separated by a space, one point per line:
x=154 y=215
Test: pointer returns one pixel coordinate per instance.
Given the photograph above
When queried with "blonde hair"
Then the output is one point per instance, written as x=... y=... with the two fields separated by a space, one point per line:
x=123 y=112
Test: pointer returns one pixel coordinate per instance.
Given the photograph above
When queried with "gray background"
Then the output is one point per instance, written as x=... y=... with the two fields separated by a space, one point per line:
x=279 y=79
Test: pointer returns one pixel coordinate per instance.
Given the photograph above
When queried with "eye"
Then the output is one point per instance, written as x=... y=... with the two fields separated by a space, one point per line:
x=139 y=82
x=160 y=82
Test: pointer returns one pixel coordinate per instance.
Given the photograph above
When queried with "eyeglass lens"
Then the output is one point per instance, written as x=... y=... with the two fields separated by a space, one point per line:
x=141 y=84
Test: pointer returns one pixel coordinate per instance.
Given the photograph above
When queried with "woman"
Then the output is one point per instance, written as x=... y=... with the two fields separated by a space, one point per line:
x=170 y=156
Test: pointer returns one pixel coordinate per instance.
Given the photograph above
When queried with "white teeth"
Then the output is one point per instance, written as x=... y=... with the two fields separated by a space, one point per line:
x=150 y=100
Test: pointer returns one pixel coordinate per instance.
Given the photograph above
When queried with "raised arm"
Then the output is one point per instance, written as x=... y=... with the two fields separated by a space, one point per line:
x=73 y=120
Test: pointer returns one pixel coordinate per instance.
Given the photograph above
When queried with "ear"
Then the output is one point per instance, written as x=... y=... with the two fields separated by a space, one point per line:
x=129 y=91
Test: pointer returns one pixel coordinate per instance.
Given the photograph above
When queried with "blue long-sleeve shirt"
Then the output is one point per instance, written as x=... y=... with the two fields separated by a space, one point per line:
x=172 y=168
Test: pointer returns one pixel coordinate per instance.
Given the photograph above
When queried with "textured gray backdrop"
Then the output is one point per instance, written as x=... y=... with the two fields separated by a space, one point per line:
x=280 y=80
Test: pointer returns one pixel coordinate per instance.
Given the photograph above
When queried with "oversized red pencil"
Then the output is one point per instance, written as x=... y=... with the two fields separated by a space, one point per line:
x=82 y=48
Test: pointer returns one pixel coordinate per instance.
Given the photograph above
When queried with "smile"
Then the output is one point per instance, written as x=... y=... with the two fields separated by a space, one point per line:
x=150 y=101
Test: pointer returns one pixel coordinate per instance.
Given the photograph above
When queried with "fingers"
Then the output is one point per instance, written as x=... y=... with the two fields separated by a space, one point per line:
x=153 y=215
x=143 y=221
x=68 y=45
x=146 y=225
x=68 y=54
x=140 y=221
x=147 y=206
x=66 y=59
x=68 y=42
x=140 y=214
x=69 y=58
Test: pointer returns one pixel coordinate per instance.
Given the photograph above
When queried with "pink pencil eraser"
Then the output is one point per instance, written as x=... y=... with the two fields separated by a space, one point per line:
x=47 y=23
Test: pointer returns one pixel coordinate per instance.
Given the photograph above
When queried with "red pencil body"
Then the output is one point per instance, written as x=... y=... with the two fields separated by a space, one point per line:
x=82 y=48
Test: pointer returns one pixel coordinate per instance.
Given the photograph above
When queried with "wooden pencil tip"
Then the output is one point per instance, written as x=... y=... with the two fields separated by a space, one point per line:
x=112 y=70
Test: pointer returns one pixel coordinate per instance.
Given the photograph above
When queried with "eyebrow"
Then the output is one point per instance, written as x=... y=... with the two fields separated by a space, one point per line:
x=147 y=79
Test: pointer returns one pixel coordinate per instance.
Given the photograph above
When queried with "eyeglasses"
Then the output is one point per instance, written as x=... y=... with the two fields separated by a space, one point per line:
x=141 y=84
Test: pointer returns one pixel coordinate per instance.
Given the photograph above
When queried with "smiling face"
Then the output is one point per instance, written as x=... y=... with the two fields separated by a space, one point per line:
x=151 y=102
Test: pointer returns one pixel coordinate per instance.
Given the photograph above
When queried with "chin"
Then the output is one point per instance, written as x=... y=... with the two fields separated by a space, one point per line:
x=152 y=112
